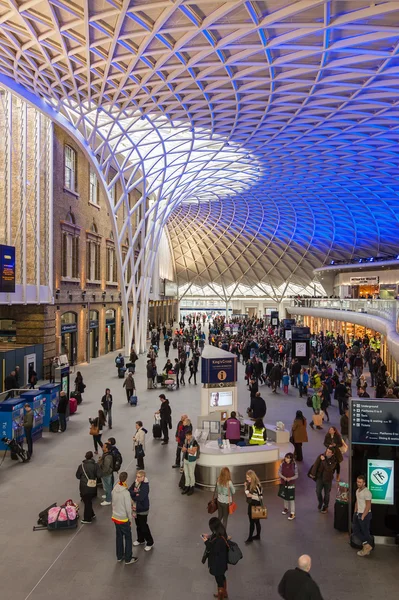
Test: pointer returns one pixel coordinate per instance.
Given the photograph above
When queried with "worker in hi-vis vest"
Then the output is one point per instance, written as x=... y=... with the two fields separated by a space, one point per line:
x=257 y=433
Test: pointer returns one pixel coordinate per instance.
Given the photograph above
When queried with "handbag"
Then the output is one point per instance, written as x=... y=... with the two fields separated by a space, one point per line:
x=213 y=504
x=234 y=553
x=139 y=451
x=91 y=483
x=232 y=505
x=286 y=491
x=94 y=429
x=258 y=512
x=344 y=447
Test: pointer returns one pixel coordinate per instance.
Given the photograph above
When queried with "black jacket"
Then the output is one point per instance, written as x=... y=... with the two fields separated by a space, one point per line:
x=258 y=407
x=324 y=469
x=93 y=471
x=106 y=404
x=165 y=412
x=298 y=585
x=341 y=391
x=62 y=405
x=217 y=550
x=10 y=382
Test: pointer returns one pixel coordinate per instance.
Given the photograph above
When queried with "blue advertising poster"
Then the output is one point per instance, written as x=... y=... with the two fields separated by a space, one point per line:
x=7 y=269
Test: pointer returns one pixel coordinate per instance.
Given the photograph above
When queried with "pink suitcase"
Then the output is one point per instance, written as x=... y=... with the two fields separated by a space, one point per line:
x=73 y=405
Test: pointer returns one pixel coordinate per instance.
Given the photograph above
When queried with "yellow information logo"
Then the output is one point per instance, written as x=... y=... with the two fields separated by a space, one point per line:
x=222 y=375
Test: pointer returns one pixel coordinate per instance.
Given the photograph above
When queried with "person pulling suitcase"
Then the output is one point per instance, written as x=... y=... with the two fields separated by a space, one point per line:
x=106 y=403
x=165 y=412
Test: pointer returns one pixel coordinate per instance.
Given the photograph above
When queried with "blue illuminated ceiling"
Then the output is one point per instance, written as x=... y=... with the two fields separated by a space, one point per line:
x=305 y=94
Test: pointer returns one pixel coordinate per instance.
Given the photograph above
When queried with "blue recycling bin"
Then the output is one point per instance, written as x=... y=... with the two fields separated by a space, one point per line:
x=37 y=400
x=51 y=392
x=12 y=421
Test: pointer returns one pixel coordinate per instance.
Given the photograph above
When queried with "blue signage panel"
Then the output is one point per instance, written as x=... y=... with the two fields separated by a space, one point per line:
x=375 y=422
x=7 y=269
x=68 y=328
x=219 y=370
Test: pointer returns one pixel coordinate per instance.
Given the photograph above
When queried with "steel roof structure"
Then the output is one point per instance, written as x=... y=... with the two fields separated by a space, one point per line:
x=266 y=131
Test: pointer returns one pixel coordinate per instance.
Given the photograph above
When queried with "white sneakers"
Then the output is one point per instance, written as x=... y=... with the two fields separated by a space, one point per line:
x=105 y=503
x=146 y=549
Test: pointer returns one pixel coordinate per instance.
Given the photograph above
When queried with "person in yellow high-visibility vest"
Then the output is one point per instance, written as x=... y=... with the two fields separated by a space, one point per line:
x=257 y=433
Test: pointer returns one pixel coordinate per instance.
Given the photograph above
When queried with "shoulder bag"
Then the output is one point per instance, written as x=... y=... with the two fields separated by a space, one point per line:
x=91 y=483
x=234 y=553
x=232 y=505
x=344 y=447
x=94 y=429
x=259 y=511
x=213 y=504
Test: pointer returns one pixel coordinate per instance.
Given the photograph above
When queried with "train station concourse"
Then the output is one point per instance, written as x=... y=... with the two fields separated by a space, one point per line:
x=214 y=184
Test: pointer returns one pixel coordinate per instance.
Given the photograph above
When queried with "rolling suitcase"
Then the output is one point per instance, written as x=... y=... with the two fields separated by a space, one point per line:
x=341 y=516
x=133 y=401
x=73 y=405
x=77 y=395
x=156 y=430
x=121 y=372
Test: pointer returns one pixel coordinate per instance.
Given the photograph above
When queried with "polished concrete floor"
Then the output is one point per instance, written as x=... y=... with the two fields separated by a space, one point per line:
x=82 y=563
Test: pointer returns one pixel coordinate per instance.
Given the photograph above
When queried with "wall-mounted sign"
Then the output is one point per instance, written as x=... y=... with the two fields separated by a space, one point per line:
x=170 y=288
x=375 y=422
x=364 y=280
x=68 y=328
x=7 y=269
x=380 y=480
x=219 y=370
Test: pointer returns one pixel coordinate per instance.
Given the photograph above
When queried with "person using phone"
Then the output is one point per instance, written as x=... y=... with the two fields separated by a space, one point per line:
x=216 y=549
x=254 y=494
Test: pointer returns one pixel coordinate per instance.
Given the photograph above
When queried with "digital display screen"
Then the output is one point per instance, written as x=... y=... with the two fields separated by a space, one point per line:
x=7 y=269
x=375 y=422
x=220 y=398
x=300 y=349
x=380 y=480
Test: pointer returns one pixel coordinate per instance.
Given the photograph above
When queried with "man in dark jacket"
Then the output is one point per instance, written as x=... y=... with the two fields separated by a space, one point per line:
x=341 y=395
x=323 y=473
x=275 y=377
x=10 y=383
x=295 y=371
x=297 y=584
x=28 y=426
x=165 y=412
x=106 y=464
x=88 y=470
x=258 y=406
x=176 y=368
x=106 y=403
x=62 y=409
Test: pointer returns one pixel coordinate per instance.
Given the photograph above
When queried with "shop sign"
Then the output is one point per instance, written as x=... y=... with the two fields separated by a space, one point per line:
x=7 y=269
x=219 y=370
x=110 y=321
x=364 y=280
x=68 y=328
x=93 y=324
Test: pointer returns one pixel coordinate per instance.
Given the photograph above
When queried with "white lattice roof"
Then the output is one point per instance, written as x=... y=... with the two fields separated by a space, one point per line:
x=267 y=130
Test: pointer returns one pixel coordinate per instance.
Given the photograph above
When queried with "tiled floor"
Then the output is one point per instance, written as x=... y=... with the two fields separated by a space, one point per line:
x=82 y=564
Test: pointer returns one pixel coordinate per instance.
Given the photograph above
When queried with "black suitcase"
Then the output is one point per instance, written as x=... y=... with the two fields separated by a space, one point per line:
x=341 y=516
x=77 y=396
x=121 y=372
x=54 y=426
x=157 y=431
x=160 y=378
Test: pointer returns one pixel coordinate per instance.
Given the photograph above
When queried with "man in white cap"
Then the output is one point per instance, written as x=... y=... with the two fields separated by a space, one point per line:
x=297 y=584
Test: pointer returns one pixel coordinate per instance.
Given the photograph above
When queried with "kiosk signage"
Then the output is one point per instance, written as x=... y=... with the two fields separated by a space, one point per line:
x=380 y=478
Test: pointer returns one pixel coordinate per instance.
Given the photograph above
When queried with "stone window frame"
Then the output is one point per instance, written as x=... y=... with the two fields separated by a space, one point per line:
x=93 y=242
x=69 y=229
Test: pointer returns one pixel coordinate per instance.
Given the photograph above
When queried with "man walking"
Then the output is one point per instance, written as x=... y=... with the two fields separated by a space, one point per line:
x=297 y=584
x=28 y=426
x=323 y=473
x=362 y=516
x=121 y=515
x=62 y=408
x=106 y=403
x=130 y=385
x=106 y=464
x=165 y=412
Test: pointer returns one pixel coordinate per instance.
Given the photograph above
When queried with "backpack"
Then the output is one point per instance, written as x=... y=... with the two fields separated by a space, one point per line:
x=117 y=459
x=118 y=361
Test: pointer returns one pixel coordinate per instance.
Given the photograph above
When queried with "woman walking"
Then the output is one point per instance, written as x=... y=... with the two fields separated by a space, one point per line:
x=288 y=472
x=333 y=440
x=139 y=444
x=88 y=473
x=225 y=491
x=216 y=550
x=139 y=492
x=254 y=494
x=79 y=385
x=299 y=434
x=96 y=428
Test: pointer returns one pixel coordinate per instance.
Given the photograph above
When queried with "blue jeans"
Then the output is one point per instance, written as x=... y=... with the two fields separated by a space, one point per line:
x=62 y=420
x=107 y=487
x=361 y=528
x=123 y=541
